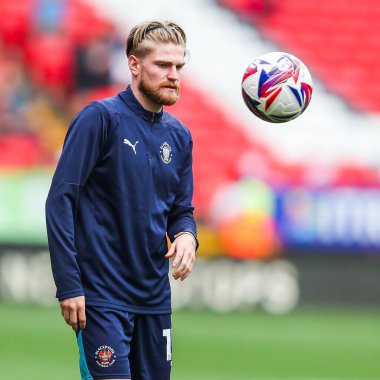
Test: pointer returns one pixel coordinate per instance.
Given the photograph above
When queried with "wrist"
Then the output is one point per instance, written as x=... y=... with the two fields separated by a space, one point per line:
x=186 y=233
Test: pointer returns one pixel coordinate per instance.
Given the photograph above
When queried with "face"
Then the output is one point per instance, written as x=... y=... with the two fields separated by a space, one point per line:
x=158 y=75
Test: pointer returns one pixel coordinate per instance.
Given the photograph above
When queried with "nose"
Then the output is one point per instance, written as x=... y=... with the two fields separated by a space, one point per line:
x=173 y=73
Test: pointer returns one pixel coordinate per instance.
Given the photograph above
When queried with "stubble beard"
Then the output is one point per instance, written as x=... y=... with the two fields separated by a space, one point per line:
x=154 y=94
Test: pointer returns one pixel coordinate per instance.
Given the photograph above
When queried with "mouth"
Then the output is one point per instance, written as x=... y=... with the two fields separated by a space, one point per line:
x=170 y=88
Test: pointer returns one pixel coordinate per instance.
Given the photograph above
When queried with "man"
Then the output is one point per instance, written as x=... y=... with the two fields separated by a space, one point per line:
x=124 y=181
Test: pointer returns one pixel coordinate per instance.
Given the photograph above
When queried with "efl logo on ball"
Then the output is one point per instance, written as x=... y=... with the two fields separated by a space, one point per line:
x=277 y=87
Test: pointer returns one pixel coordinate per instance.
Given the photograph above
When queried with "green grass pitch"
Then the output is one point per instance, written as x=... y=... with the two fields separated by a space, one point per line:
x=307 y=344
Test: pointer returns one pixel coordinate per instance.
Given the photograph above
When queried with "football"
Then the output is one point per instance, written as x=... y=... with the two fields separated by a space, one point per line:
x=277 y=87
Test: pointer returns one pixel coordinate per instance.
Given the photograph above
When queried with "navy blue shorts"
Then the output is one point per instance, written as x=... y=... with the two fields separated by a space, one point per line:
x=122 y=345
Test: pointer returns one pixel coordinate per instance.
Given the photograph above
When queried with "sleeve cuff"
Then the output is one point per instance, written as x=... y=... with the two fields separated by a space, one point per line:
x=69 y=294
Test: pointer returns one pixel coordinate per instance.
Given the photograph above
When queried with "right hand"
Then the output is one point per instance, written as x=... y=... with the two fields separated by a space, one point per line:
x=73 y=311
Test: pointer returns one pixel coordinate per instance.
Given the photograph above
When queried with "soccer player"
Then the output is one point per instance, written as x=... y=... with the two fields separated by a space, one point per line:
x=122 y=185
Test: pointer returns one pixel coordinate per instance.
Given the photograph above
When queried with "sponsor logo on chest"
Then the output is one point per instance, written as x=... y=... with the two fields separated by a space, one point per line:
x=166 y=152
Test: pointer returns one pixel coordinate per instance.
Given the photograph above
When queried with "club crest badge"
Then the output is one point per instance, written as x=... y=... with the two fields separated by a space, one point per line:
x=105 y=356
x=166 y=152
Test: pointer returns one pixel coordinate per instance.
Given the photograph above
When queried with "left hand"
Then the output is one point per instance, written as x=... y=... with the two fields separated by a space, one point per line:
x=183 y=251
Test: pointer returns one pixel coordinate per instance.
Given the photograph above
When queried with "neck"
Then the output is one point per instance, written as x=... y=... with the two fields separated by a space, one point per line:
x=144 y=101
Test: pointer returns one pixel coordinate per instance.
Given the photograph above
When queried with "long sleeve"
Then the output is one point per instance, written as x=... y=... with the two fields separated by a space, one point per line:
x=79 y=156
x=181 y=217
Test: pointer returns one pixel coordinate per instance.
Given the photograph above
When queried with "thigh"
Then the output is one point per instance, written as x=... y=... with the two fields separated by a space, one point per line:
x=151 y=347
x=104 y=344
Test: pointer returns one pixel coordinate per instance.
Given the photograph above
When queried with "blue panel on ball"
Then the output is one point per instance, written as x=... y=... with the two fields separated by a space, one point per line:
x=297 y=95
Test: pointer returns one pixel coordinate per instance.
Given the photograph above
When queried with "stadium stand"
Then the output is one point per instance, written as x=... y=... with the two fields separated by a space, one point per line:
x=337 y=39
x=48 y=40
x=40 y=42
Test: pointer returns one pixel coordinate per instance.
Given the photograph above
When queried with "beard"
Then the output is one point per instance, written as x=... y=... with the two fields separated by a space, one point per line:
x=158 y=96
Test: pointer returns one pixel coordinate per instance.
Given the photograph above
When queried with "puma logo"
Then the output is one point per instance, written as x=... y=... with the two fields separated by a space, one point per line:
x=133 y=146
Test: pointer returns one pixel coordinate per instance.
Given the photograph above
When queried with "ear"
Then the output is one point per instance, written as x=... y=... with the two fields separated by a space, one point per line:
x=134 y=65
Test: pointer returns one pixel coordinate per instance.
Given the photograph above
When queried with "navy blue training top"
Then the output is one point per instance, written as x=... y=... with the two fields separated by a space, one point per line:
x=123 y=181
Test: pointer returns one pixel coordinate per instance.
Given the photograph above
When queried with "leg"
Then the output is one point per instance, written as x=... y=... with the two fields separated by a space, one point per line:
x=104 y=344
x=151 y=349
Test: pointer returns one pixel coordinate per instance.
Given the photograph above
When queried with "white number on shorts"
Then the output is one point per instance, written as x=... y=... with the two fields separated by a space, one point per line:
x=167 y=333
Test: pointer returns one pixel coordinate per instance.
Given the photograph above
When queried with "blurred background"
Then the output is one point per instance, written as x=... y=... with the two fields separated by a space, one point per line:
x=287 y=282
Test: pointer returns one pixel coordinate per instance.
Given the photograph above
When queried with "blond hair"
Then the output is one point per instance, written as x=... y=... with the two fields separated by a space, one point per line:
x=156 y=32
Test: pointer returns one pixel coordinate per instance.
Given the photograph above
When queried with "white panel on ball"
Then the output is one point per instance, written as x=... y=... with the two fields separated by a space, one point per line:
x=277 y=87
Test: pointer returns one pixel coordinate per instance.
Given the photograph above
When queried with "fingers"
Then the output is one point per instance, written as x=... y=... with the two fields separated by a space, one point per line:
x=171 y=251
x=183 y=250
x=178 y=258
x=66 y=314
x=82 y=318
x=73 y=311
x=184 y=264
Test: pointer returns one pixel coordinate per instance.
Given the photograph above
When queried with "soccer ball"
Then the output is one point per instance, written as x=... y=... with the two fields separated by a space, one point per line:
x=277 y=87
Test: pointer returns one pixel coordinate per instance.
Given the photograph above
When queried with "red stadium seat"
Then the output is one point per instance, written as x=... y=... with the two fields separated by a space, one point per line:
x=82 y=24
x=19 y=150
x=50 y=60
x=16 y=21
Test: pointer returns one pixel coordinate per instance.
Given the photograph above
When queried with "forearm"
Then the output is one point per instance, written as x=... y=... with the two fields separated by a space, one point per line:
x=60 y=209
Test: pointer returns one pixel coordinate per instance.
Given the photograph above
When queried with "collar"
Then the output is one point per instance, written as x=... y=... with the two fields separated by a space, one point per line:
x=130 y=100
